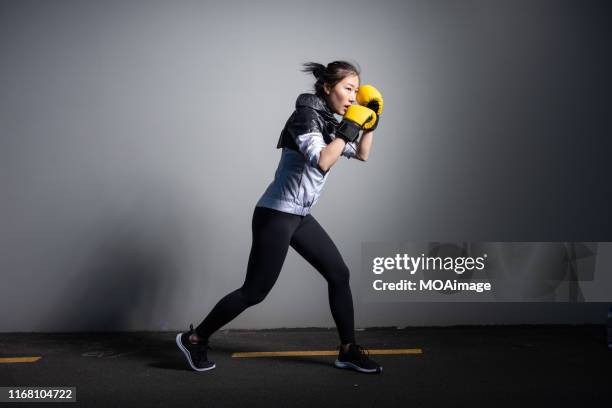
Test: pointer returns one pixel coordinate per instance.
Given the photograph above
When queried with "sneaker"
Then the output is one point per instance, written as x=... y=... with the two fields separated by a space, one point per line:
x=195 y=353
x=357 y=358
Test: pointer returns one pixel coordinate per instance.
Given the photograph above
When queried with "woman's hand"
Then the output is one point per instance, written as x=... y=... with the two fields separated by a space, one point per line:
x=370 y=97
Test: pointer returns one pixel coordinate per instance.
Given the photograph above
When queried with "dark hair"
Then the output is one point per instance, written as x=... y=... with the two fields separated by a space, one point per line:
x=332 y=74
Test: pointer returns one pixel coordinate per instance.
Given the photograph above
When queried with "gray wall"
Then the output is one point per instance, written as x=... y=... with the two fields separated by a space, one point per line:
x=136 y=137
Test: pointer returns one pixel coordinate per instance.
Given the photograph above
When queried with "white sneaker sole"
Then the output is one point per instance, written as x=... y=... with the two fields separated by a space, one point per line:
x=186 y=353
x=342 y=364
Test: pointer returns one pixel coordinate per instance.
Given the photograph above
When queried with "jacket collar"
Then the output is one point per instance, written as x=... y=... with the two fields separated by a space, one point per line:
x=317 y=103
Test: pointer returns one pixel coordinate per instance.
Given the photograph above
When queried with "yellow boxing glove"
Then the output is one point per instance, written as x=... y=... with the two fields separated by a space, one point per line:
x=355 y=119
x=372 y=98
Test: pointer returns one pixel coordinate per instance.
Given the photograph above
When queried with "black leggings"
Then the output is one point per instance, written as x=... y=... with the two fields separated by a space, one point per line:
x=273 y=232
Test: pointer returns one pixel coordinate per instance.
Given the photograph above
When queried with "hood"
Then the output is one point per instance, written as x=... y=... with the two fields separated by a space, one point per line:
x=315 y=102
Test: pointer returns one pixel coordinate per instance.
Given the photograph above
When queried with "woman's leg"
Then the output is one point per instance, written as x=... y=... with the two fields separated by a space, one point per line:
x=312 y=242
x=272 y=231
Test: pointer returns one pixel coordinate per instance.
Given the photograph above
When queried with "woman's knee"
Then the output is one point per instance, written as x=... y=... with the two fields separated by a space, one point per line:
x=339 y=276
x=253 y=296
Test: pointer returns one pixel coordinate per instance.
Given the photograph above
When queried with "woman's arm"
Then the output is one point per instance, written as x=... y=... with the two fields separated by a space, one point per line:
x=364 y=145
x=329 y=154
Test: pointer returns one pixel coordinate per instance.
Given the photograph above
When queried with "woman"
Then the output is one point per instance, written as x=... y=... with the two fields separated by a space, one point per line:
x=312 y=141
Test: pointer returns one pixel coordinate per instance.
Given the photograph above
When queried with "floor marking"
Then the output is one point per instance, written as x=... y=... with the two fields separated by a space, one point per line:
x=19 y=359
x=323 y=353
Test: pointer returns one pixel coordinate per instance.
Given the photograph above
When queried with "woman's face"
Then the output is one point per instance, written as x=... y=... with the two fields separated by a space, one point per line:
x=343 y=95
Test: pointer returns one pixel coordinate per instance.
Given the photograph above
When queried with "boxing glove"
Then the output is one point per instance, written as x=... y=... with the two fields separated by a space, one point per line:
x=356 y=118
x=372 y=98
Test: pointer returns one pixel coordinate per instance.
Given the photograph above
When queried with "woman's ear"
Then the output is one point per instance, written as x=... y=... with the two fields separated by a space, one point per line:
x=326 y=88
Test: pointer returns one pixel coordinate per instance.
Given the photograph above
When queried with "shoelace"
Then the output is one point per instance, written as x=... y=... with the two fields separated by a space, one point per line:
x=363 y=353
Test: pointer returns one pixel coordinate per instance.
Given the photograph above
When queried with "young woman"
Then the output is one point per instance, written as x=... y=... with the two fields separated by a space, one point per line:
x=311 y=141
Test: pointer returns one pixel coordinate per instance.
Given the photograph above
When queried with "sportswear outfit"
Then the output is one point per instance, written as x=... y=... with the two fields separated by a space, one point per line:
x=282 y=218
x=298 y=180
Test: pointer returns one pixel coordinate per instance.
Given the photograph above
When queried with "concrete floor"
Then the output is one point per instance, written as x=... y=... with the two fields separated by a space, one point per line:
x=505 y=366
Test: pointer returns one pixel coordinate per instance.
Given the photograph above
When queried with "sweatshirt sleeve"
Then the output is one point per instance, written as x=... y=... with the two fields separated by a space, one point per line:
x=306 y=129
x=350 y=150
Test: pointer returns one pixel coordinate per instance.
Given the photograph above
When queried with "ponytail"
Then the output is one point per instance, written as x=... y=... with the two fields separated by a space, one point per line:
x=331 y=74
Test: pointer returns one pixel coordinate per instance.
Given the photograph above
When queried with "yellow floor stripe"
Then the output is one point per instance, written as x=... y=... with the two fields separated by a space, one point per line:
x=323 y=353
x=19 y=359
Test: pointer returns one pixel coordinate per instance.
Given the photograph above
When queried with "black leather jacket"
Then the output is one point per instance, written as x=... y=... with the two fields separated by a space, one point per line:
x=311 y=115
